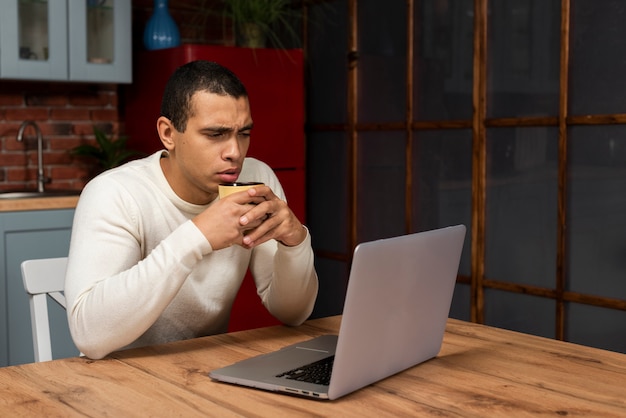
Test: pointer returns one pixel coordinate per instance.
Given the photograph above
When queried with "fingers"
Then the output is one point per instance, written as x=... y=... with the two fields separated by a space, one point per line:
x=278 y=222
x=243 y=198
x=220 y=225
x=262 y=191
x=220 y=222
x=264 y=217
x=264 y=221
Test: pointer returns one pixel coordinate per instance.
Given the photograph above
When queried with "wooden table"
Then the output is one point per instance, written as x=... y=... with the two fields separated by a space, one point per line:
x=481 y=371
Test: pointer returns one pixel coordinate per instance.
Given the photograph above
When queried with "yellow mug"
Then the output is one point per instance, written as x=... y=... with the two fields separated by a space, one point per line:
x=226 y=189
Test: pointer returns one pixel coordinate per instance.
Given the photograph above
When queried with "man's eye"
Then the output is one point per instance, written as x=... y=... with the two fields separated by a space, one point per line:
x=245 y=134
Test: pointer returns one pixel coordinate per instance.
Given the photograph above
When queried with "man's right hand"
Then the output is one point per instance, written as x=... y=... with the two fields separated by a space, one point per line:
x=220 y=222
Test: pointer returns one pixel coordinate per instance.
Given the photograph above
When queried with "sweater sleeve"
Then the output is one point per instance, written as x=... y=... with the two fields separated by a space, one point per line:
x=286 y=280
x=285 y=277
x=113 y=294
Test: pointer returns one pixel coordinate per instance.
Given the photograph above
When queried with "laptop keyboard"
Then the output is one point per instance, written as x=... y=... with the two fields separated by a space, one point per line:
x=317 y=372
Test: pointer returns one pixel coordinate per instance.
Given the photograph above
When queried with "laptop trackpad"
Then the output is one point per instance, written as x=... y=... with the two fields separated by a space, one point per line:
x=269 y=365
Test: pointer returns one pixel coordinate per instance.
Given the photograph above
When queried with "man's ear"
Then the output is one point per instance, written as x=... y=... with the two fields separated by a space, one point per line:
x=166 y=130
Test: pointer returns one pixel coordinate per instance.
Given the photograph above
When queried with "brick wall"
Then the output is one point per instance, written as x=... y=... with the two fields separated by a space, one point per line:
x=66 y=114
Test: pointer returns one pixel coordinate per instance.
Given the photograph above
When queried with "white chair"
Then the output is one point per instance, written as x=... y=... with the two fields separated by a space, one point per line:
x=43 y=277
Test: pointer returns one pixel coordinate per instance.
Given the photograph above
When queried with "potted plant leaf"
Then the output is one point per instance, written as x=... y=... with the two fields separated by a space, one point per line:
x=257 y=21
x=107 y=152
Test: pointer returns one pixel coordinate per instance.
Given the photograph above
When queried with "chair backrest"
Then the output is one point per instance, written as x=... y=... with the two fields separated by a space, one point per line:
x=42 y=278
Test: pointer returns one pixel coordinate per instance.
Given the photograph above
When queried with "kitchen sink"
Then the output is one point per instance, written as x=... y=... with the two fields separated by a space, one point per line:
x=31 y=194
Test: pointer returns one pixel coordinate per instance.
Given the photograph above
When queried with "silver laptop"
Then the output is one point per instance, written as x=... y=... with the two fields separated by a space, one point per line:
x=394 y=317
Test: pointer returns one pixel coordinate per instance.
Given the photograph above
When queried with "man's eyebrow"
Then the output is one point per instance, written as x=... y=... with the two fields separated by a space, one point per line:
x=222 y=129
x=216 y=129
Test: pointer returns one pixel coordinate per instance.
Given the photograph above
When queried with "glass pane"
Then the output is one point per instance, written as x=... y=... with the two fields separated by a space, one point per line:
x=596 y=208
x=333 y=282
x=597 y=63
x=327 y=190
x=521 y=206
x=596 y=327
x=442 y=183
x=100 y=35
x=460 y=308
x=443 y=59
x=518 y=312
x=382 y=61
x=33 y=30
x=523 y=64
x=381 y=185
x=326 y=63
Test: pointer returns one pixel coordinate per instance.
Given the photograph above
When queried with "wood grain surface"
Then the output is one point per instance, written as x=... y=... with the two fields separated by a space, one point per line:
x=480 y=371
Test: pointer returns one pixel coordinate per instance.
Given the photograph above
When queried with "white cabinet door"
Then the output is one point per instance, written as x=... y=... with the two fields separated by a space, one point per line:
x=66 y=40
x=33 y=40
x=28 y=235
x=100 y=44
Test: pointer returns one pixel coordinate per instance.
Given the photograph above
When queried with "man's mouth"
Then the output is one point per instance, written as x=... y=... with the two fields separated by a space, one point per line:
x=228 y=176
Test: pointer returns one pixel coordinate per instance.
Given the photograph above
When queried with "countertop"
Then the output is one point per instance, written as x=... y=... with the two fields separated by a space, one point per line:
x=38 y=203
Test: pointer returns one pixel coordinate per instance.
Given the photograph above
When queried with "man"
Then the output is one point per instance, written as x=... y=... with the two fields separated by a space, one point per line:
x=156 y=256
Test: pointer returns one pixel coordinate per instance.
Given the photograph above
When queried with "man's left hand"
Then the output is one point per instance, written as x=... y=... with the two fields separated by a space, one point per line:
x=277 y=221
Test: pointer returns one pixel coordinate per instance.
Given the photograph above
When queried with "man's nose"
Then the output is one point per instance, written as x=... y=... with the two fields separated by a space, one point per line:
x=233 y=149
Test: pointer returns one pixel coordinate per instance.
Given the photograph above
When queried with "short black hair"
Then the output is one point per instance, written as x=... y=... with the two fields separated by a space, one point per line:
x=192 y=77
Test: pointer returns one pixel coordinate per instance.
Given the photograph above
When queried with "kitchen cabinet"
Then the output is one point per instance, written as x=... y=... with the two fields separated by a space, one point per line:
x=274 y=79
x=27 y=235
x=66 y=40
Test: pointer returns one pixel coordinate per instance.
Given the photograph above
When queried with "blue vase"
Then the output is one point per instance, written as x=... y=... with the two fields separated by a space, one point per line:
x=161 y=30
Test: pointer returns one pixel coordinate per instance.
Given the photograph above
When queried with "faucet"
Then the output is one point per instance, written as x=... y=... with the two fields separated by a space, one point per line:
x=41 y=178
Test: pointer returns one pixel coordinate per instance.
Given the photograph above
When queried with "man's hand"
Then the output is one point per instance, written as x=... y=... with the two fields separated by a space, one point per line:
x=220 y=222
x=277 y=220
x=250 y=218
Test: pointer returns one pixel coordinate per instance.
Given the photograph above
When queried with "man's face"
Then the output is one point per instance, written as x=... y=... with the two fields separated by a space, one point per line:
x=212 y=148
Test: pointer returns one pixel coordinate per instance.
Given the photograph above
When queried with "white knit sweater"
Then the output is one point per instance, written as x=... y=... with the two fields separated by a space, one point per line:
x=140 y=272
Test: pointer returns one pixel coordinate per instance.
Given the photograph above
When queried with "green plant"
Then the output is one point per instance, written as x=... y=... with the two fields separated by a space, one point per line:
x=268 y=17
x=108 y=152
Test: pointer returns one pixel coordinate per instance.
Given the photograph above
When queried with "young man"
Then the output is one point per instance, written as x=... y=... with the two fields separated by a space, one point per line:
x=156 y=256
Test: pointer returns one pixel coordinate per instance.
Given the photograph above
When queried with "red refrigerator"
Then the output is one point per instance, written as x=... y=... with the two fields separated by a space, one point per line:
x=275 y=84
